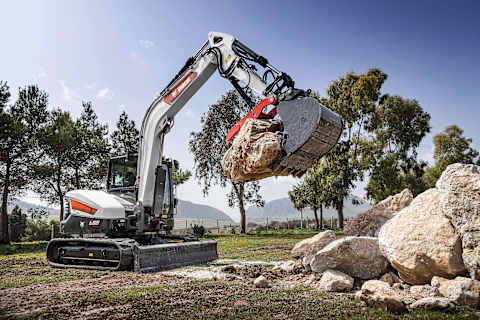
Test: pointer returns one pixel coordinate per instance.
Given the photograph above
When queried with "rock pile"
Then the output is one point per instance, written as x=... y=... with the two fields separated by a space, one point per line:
x=431 y=242
x=254 y=150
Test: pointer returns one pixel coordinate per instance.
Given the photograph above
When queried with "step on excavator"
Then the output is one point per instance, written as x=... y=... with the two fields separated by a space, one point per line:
x=129 y=225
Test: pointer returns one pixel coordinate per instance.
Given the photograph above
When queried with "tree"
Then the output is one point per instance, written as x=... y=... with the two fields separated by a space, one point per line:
x=313 y=192
x=179 y=175
x=18 y=223
x=89 y=160
x=126 y=136
x=19 y=128
x=54 y=175
x=399 y=126
x=450 y=146
x=208 y=147
x=355 y=98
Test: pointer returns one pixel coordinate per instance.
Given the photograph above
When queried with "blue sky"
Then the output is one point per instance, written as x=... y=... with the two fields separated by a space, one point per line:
x=119 y=54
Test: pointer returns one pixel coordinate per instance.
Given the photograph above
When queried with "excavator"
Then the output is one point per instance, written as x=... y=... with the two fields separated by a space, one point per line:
x=129 y=225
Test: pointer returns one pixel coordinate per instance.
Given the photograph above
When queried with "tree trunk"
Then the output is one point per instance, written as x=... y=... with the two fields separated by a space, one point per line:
x=321 y=217
x=316 y=218
x=4 y=238
x=340 y=213
x=77 y=179
x=59 y=192
x=243 y=218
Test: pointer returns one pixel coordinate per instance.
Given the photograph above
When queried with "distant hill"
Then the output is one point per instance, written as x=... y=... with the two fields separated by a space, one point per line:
x=24 y=205
x=186 y=209
x=281 y=209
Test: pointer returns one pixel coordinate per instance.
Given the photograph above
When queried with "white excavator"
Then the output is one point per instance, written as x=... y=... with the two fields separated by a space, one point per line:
x=129 y=225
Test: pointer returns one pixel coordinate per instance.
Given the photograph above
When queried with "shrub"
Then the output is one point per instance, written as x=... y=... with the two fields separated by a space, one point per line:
x=39 y=229
x=198 y=231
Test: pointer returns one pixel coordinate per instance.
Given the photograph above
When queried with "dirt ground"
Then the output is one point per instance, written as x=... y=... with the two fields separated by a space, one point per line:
x=29 y=289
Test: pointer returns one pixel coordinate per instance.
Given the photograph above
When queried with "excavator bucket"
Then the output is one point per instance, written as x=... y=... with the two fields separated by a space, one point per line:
x=310 y=131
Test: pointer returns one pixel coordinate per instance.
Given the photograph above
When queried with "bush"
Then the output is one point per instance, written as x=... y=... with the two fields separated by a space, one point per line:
x=39 y=229
x=198 y=231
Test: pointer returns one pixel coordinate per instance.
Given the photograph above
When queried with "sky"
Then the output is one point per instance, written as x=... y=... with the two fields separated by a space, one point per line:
x=120 y=54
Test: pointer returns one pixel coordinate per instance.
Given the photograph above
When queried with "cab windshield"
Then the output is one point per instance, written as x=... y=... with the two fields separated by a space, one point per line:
x=123 y=173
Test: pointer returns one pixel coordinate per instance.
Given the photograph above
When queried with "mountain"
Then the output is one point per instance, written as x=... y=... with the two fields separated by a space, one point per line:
x=281 y=209
x=187 y=209
x=24 y=205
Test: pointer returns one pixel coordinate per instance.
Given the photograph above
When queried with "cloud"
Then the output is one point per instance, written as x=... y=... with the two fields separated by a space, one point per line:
x=40 y=75
x=105 y=93
x=68 y=94
x=147 y=44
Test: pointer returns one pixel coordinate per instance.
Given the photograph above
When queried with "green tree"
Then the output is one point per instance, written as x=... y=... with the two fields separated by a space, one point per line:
x=179 y=175
x=355 y=98
x=18 y=223
x=208 y=147
x=313 y=192
x=126 y=136
x=399 y=126
x=54 y=175
x=450 y=146
x=19 y=126
x=89 y=159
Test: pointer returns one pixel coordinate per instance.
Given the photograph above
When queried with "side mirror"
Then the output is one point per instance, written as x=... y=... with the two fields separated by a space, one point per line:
x=175 y=202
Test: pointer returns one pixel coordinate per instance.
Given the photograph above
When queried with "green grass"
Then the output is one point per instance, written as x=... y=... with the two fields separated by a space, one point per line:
x=23 y=247
x=266 y=245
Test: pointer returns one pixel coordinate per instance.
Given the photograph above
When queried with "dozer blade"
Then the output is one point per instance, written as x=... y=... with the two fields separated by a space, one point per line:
x=127 y=254
x=310 y=131
x=158 y=257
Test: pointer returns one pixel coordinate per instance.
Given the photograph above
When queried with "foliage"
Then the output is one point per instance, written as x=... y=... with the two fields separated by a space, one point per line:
x=53 y=173
x=179 y=175
x=89 y=159
x=208 y=147
x=313 y=192
x=450 y=146
x=37 y=213
x=126 y=136
x=355 y=98
x=18 y=223
x=198 y=230
x=39 y=229
x=19 y=127
x=399 y=126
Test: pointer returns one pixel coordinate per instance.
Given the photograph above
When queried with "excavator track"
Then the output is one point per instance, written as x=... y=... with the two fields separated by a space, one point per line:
x=310 y=131
x=127 y=254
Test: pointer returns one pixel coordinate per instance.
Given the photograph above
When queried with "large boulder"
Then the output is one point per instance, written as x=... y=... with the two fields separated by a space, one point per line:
x=254 y=150
x=379 y=294
x=462 y=291
x=420 y=242
x=369 y=222
x=359 y=257
x=335 y=281
x=459 y=188
x=306 y=249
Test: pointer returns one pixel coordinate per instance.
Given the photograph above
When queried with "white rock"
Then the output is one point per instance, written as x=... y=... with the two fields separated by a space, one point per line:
x=379 y=294
x=335 y=281
x=462 y=291
x=253 y=151
x=306 y=248
x=359 y=257
x=261 y=282
x=420 y=242
x=459 y=187
x=433 y=303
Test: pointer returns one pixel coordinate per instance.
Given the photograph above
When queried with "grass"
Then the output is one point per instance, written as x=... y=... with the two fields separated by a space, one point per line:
x=173 y=298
